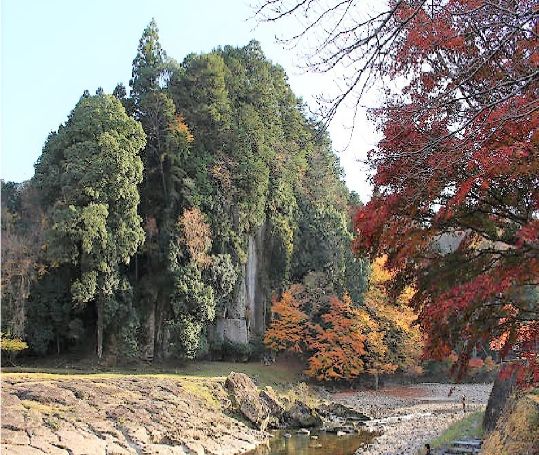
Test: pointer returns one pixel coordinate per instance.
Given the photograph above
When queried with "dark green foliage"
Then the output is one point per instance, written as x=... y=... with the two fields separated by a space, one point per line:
x=191 y=296
x=88 y=175
x=217 y=150
x=223 y=276
x=52 y=321
x=149 y=64
x=232 y=352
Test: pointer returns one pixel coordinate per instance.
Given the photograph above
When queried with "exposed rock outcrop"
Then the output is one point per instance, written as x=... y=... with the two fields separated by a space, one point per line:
x=245 y=316
x=245 y=398
x=262 y=408
x=273 y=403
x=127 y=415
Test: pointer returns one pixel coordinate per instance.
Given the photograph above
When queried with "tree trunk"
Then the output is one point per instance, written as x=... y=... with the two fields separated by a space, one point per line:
x=99 y=328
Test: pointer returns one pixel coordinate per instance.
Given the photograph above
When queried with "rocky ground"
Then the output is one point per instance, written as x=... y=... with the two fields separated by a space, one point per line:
x=108 y=414
x=119 y=415
x=411 y=416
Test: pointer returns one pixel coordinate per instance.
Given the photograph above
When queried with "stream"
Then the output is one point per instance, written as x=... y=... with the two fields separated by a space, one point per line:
x=326 y=443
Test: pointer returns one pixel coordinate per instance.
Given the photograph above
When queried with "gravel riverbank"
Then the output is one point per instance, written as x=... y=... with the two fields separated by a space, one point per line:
x=411 y=416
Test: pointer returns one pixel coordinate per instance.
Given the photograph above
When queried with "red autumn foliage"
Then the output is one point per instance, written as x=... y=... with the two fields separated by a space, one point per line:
x=456 y=200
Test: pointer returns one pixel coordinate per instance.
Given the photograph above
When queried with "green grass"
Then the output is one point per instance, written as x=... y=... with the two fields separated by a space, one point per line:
x=279 y=375
x=467 y=428
x=196 y=377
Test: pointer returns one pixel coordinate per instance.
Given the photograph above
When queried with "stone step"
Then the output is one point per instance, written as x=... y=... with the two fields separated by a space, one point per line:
x=460 y=451
x=456 y=450
x=463 y=447
x=468 y=443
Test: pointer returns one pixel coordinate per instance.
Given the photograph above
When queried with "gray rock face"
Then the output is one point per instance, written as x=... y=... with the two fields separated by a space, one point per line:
x=245 y=398
x=276 y=408
x=271 y=399
x=233 y=330
x=302 y=416
x=245 y=317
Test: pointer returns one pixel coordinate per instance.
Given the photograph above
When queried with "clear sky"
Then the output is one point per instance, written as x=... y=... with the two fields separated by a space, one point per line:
x=52 y=50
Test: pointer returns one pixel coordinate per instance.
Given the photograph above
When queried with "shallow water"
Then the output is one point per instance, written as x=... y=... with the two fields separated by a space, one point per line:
x=326 y=444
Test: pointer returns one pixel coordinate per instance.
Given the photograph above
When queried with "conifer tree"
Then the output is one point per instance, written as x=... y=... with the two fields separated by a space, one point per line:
x=88 y=175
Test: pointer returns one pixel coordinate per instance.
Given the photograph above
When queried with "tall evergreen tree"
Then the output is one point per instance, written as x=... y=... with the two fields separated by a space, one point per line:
x=88 y=175
x=148 y=65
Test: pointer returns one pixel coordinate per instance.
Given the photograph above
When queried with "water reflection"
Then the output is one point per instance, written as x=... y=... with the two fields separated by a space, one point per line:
x=326 y=444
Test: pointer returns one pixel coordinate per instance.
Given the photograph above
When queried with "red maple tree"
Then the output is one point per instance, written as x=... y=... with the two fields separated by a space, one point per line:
x=456 y=175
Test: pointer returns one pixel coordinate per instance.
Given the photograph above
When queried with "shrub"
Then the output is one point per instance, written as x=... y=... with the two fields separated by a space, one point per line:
x=11 y=346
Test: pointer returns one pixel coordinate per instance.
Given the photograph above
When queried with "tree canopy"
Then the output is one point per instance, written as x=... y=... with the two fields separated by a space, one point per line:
x=87 y=177
x=161 y=207
x=456 y=174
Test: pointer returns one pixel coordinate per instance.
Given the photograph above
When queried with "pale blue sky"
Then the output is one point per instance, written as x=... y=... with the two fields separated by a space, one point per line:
x=52 y=50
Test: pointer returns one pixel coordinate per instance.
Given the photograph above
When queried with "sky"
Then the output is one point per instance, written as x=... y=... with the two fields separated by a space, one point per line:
x=51 y=51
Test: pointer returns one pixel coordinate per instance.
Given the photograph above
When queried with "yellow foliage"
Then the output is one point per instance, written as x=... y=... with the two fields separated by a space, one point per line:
x=382 y=312
x=379 y=274
x=12 y=344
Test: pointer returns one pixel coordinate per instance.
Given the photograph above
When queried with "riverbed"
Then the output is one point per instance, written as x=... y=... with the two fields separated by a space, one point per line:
x=404 y=418
x=315 y=443
x=408 y=417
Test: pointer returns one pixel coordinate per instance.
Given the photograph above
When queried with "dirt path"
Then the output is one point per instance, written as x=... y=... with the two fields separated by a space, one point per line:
x=411 y=416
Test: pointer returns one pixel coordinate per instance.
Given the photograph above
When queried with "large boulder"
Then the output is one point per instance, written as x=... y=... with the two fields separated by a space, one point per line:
x=273 y=402
x=276 y=408
x=302 y=416
x=245 y=398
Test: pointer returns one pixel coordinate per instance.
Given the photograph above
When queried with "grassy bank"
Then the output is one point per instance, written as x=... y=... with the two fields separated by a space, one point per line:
x=467 y=428
x=197 y=377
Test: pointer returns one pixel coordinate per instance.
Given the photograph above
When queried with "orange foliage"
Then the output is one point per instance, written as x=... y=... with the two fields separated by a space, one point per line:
x=196 y=235
x=475 y=362
x=288 y=327
x=179 y=126
x=340 y=345
x=341 y=340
